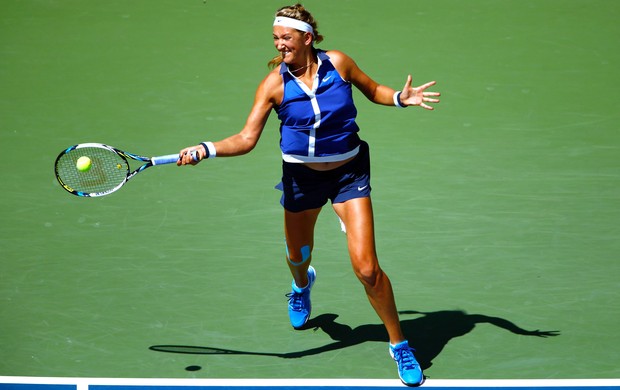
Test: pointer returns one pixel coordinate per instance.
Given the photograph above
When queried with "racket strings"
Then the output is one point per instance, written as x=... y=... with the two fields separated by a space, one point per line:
x=108 y=170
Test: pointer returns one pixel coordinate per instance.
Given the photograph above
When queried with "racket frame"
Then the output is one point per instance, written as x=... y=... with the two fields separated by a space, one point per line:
x=149 y=162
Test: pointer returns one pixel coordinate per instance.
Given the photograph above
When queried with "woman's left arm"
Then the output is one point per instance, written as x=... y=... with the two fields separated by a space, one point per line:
x=381 y=94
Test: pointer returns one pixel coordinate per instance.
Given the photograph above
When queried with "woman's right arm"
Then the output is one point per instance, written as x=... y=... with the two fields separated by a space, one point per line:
x=268 y=94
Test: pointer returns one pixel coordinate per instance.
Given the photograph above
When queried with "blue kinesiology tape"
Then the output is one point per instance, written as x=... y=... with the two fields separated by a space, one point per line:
x=305 y=255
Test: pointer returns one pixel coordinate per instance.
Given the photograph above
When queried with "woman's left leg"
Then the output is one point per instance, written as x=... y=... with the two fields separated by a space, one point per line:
x=357 y=216
x=358 y=220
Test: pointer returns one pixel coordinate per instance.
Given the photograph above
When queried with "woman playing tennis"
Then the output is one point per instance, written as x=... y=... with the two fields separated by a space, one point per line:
x=324 y=160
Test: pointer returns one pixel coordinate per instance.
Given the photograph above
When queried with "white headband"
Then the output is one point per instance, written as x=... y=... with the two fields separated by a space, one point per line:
x=293 y=23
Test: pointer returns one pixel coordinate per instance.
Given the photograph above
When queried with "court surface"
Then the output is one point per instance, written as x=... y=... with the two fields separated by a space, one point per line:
x=497 y=215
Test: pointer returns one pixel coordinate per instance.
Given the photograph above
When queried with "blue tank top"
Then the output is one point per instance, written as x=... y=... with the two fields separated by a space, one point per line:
x=318 y=124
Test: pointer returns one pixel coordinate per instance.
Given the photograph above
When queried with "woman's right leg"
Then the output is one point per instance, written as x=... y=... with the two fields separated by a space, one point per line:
x=299 y=232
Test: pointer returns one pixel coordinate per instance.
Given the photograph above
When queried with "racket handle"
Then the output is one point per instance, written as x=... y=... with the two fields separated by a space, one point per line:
x=168 y=159
x=171 y=158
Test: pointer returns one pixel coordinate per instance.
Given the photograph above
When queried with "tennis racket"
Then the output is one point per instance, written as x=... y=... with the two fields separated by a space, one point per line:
x=107 y=171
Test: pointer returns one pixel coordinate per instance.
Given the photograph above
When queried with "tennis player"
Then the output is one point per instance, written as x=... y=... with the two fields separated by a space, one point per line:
x=324 y=160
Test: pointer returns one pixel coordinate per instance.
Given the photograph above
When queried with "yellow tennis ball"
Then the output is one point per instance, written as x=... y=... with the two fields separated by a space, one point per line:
x=83 y=164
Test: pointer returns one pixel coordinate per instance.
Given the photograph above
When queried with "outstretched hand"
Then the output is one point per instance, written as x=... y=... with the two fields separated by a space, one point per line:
x=416 y=96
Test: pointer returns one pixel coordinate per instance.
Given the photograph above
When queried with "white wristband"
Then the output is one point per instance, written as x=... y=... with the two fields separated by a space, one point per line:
x=209 y=148
x=397 y=102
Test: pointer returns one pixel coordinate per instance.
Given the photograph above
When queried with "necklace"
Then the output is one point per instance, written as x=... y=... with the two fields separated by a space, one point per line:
x=298 y=69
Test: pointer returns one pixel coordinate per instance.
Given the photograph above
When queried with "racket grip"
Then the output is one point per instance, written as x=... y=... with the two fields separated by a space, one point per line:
x=168 y=159
x=172 y=158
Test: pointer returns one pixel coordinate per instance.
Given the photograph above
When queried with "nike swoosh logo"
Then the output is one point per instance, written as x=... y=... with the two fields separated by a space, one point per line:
x=362 y=188
x=326 y=78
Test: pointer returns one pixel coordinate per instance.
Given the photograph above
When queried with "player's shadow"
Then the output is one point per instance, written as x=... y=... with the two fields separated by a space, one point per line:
x=429 y=333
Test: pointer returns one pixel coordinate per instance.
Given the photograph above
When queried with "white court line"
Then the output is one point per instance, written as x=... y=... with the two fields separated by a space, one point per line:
x=83 y=383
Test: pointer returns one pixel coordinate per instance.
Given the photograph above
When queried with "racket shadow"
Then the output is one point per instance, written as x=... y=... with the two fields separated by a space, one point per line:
x=429 y=333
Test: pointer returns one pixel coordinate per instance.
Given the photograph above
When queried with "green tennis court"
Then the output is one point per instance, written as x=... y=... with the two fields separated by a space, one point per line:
x=497 y=215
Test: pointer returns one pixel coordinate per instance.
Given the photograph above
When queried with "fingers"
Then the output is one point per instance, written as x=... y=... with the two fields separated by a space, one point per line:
x=429 y=84
x=428 y=97
x=182 y=153
x=419 y=95
x=408 y=83
x=429 y=100
x=190 y=156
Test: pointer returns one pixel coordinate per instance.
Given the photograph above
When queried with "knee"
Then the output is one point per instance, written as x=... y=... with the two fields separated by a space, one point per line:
x=369 y=274
x=297 y=258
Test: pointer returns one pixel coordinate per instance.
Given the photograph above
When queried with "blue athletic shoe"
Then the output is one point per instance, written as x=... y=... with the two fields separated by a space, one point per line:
x=299 y=305
x=409 y=369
